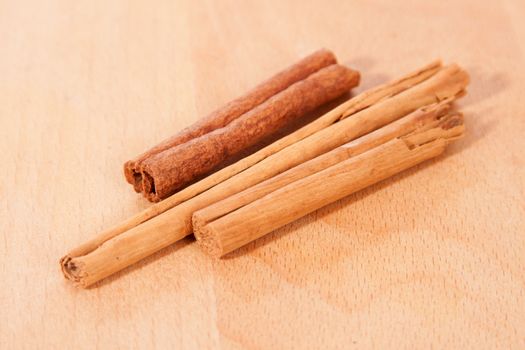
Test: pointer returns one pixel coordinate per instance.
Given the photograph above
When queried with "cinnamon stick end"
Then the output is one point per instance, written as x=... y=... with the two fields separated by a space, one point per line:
x=133 y=175
x=447 y=128
x=148 y=187
x=328 y=55
x=73 y=271
x=355 y=78
x=206 y=237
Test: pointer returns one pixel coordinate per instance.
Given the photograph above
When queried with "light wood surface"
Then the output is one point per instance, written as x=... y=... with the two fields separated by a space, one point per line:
x=434 y=257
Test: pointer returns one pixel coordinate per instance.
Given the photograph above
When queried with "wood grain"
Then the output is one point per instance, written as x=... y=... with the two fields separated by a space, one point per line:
x=432 y=257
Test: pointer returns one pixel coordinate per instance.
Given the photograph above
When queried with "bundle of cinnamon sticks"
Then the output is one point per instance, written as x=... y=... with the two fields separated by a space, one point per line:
x=366 y=139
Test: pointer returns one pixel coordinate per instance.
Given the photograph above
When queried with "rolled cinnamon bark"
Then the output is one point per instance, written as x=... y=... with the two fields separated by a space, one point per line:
x=166 y=172
x=425 y=117
x=253 y=220
x=232 y=110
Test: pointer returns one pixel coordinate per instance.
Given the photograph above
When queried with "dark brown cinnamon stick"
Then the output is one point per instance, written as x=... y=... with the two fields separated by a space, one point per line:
x=166 y=172
x=232 y=110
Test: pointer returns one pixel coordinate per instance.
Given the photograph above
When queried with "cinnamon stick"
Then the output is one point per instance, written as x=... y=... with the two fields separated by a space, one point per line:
x=166 y=172
x=232 y=110
x=279 y=207
x=170 y=220
x=428 y=116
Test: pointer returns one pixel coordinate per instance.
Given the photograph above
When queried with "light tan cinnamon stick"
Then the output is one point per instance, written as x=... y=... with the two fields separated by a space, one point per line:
x=242 y=225
x=113 y=251
x=425 y=117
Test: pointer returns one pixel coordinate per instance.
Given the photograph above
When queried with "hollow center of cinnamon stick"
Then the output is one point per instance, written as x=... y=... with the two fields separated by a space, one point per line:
x=148 y=182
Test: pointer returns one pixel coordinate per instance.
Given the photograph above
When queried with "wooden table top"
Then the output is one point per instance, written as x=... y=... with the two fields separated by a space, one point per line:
x=432 y=257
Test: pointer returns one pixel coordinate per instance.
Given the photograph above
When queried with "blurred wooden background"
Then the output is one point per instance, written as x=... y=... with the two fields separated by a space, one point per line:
x=434 y=257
